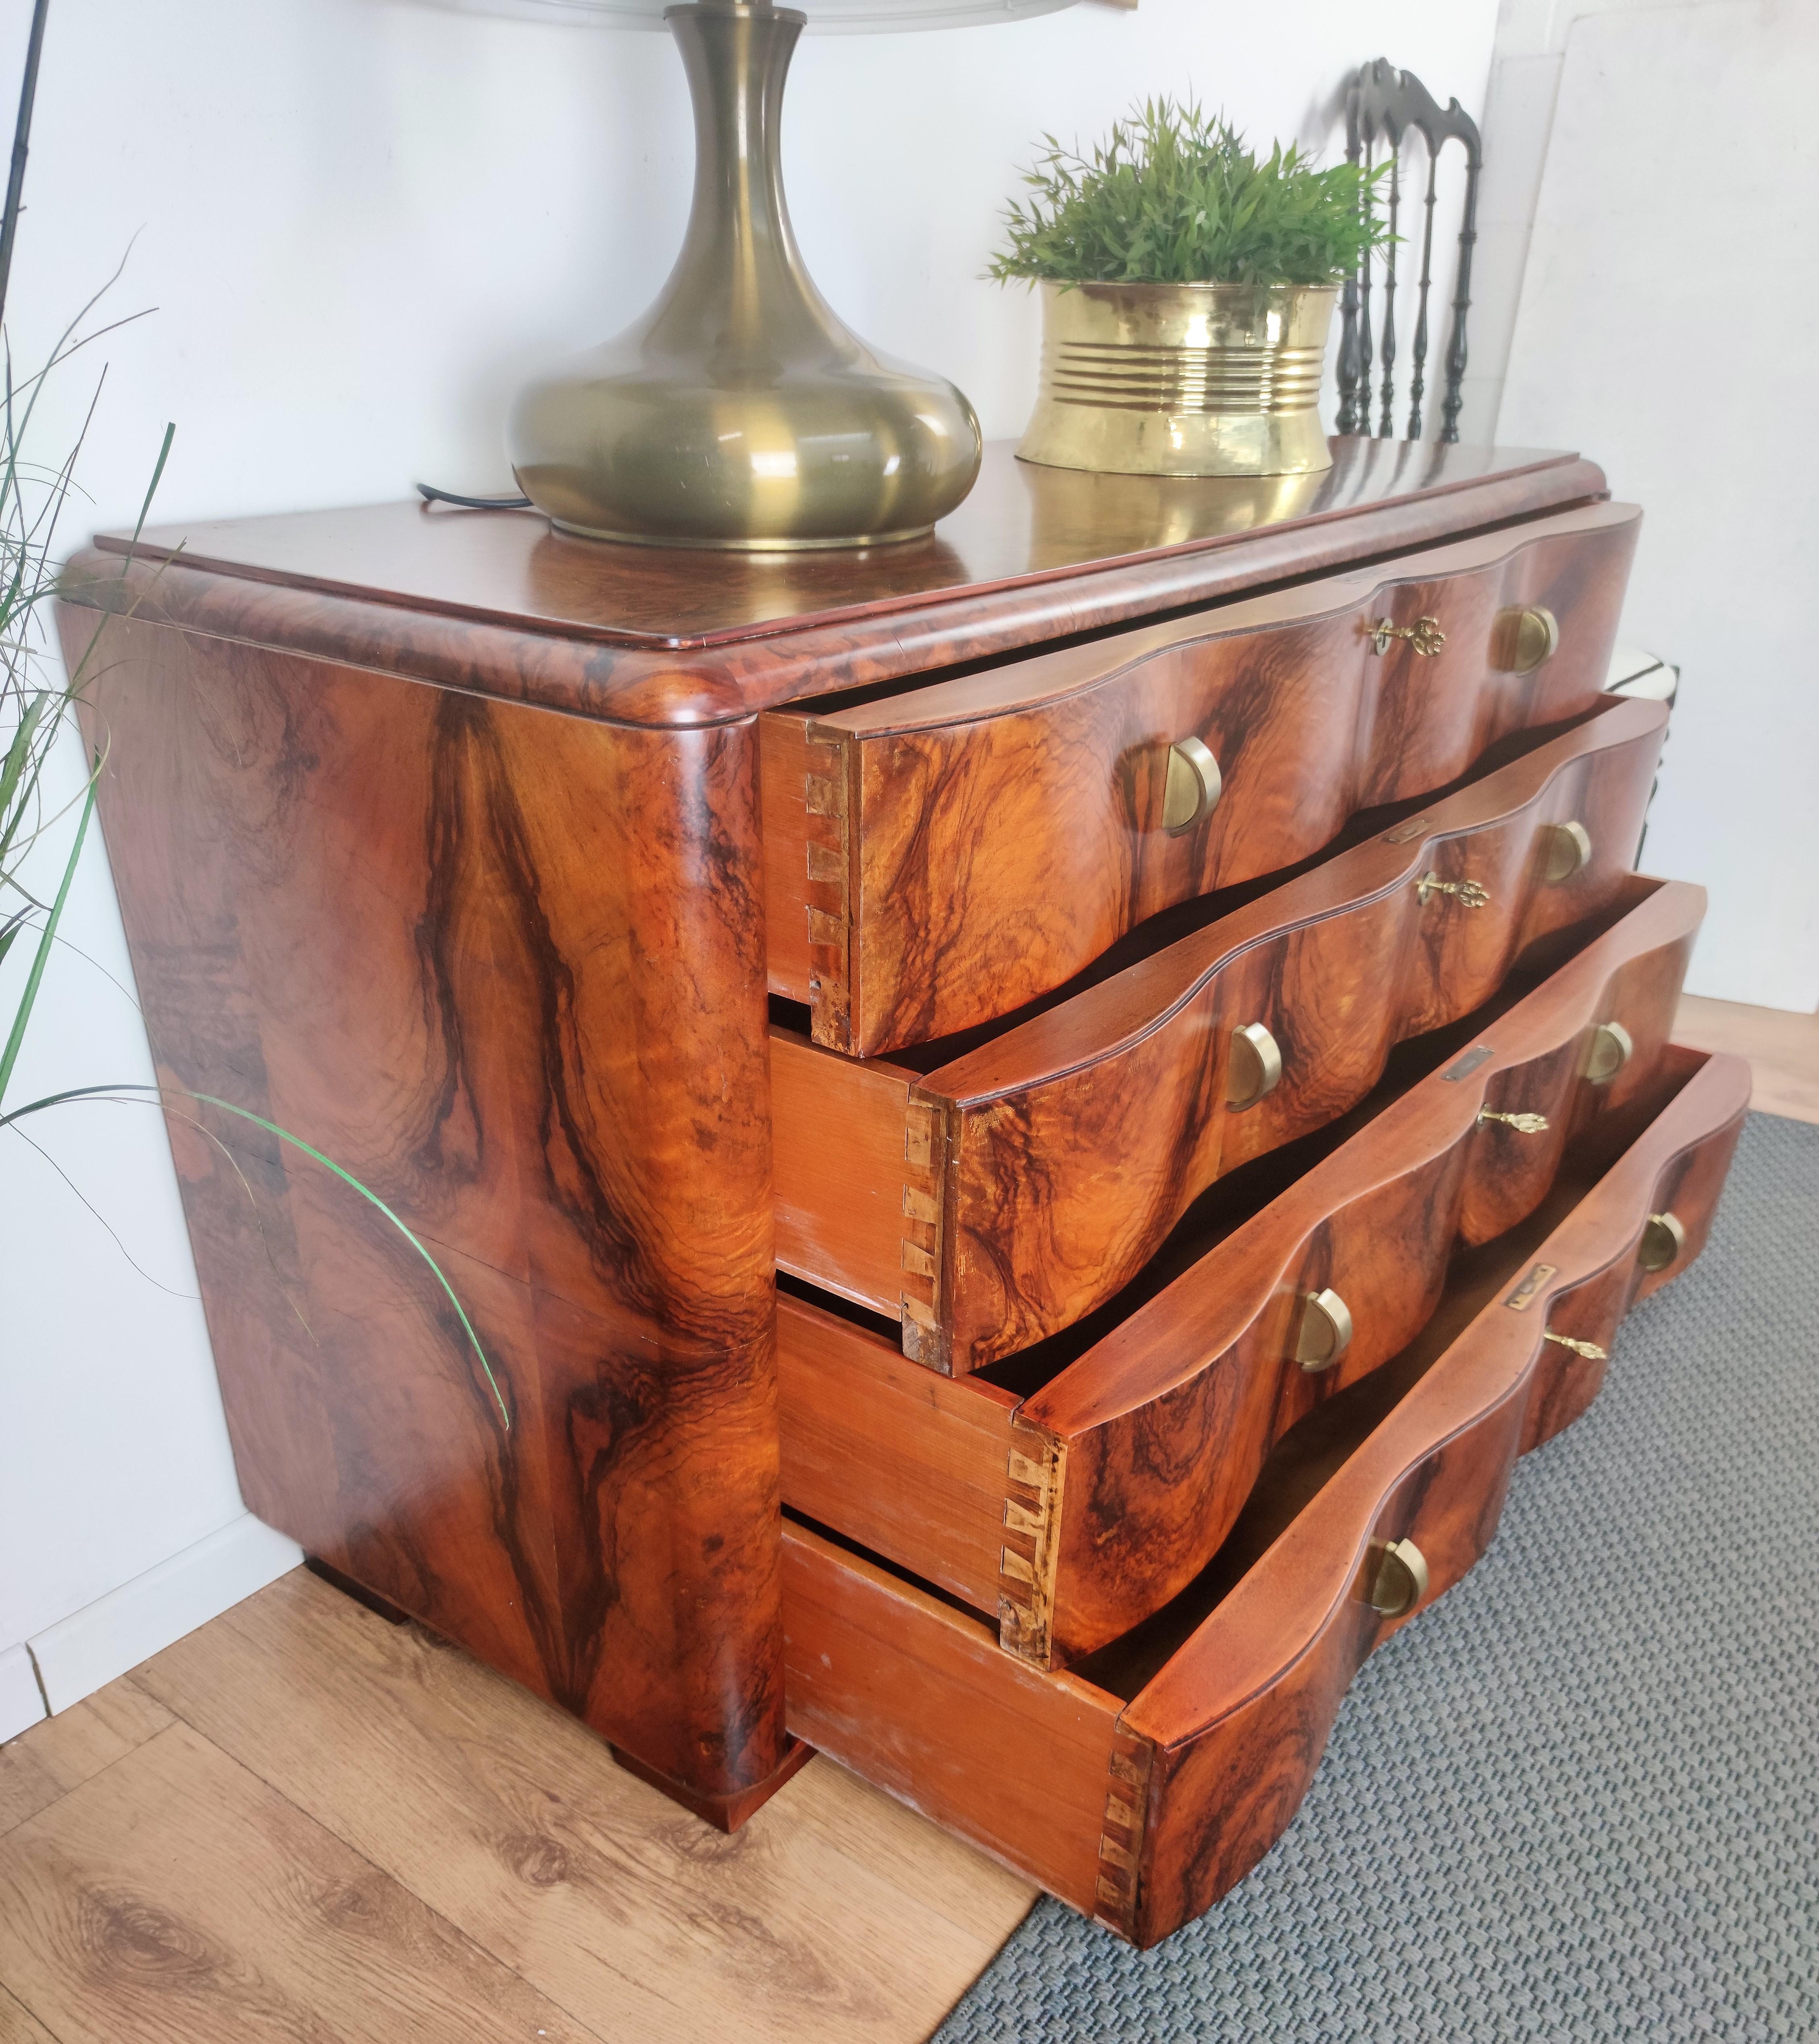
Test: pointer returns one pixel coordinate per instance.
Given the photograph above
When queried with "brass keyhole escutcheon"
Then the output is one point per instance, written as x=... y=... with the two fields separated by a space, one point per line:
x=1253 y=1068
x=1325 y=1333
x=1611 y=1049
x=1566 y=849
x=1398 y=1579
x=1467 y=893
x=1194 y=786
x=1521 y=640
x=1424 y=636
x=1664 y=1240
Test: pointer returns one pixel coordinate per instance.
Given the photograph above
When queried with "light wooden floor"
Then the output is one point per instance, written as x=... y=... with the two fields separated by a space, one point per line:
x=1783 y=1049
x=300 y=1822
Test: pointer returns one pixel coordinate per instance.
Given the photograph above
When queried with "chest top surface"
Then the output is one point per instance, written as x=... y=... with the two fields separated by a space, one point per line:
x=668 y=635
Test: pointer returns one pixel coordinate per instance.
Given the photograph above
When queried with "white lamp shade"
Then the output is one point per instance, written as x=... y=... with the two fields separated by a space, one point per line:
x=825 y=16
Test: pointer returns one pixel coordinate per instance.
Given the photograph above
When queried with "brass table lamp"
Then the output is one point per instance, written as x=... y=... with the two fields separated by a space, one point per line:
x=740 y=411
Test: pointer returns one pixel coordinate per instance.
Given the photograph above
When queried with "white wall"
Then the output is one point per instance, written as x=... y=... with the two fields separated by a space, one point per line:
x=361 y=223
x=1668 y=300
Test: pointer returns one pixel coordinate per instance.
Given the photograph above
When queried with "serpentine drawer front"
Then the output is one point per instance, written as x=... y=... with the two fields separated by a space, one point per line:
x=1142 y=1785
x=995 y=1200
x=1077 y=1489
x=938 y=857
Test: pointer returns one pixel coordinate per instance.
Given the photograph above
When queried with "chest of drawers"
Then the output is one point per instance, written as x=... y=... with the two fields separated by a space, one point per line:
x=1025 y=1125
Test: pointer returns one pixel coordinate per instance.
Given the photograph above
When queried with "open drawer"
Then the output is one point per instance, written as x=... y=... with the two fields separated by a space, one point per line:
x=1076 y=1487
x=997 y=1198
x=939 y=856
x=1143 y=1785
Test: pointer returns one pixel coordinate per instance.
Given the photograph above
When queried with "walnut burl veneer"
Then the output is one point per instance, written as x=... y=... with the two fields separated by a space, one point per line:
x=1143 y=1784
x=438 y=841
x=482 y=958
x=498 y=602
x=938 y=857
x=1076 y=1511
x=997 y=1199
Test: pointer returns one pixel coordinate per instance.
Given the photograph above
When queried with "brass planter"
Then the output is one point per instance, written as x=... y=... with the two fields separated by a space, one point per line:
x=1183 y=379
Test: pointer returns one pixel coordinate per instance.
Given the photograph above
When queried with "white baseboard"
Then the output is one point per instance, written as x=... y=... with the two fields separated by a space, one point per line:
x=87 y=1650
x=21 y=1702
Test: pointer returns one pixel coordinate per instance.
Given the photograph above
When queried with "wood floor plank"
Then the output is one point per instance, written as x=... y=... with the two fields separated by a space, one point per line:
x=20 y=2025
x=1783 y=1049
x=509 y=1819
x=50 y=1758
x=176 y=1899
x=861 y=1823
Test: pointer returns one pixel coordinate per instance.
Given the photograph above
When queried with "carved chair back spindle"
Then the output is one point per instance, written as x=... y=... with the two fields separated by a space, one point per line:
x=1384 y=107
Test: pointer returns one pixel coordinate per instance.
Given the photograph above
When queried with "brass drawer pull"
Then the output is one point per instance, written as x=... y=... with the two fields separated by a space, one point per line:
x=1566 y=849
x=1663 y=1238
x=1424 y=636
x=1590 y=1351
x=1254 y=1067
x=1521 y=640
x=1194 y=786
x=1325 y=1333
x=1523 y=1124
x=1466 y=893
x=1612 y=1048
x=1399 y=1582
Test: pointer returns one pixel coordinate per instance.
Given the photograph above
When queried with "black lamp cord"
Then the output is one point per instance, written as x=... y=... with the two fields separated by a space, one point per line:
x=430 y=494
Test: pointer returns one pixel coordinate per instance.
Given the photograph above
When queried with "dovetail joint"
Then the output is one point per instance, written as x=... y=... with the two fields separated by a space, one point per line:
x=924 y=1340
x=825 y=828
x=1121 y=1833
x=1026 y=1556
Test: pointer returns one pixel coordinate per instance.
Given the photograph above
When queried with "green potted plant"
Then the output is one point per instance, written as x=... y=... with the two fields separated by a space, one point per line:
x=1188 y=291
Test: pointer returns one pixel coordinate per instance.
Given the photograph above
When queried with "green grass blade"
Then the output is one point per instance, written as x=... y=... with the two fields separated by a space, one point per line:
x=9 y=1056
x=19 y=750
x=310 y=1150
x=347 y=1178
x=157 y=477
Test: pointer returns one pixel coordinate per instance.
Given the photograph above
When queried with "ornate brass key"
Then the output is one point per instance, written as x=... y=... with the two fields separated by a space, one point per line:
x=1590 y=1351
x=1467 y=893
x=1424 y=636
x=1523 y=1124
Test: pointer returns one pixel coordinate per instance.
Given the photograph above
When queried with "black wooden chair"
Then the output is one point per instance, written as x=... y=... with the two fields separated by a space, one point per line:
x=1383 y=107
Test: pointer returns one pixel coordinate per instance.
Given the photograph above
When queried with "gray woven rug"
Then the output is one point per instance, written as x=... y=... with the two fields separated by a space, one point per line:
x=1579 y=1798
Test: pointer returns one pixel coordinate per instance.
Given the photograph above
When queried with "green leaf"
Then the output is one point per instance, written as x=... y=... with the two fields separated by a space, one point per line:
x=1173 y=196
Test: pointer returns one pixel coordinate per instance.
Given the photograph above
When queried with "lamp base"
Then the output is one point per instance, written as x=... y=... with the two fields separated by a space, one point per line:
x=740 y=413
x=752 y=545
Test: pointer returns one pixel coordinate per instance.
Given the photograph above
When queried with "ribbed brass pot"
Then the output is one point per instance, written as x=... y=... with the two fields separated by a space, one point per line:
x=1183 y=379
x=740 y=412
